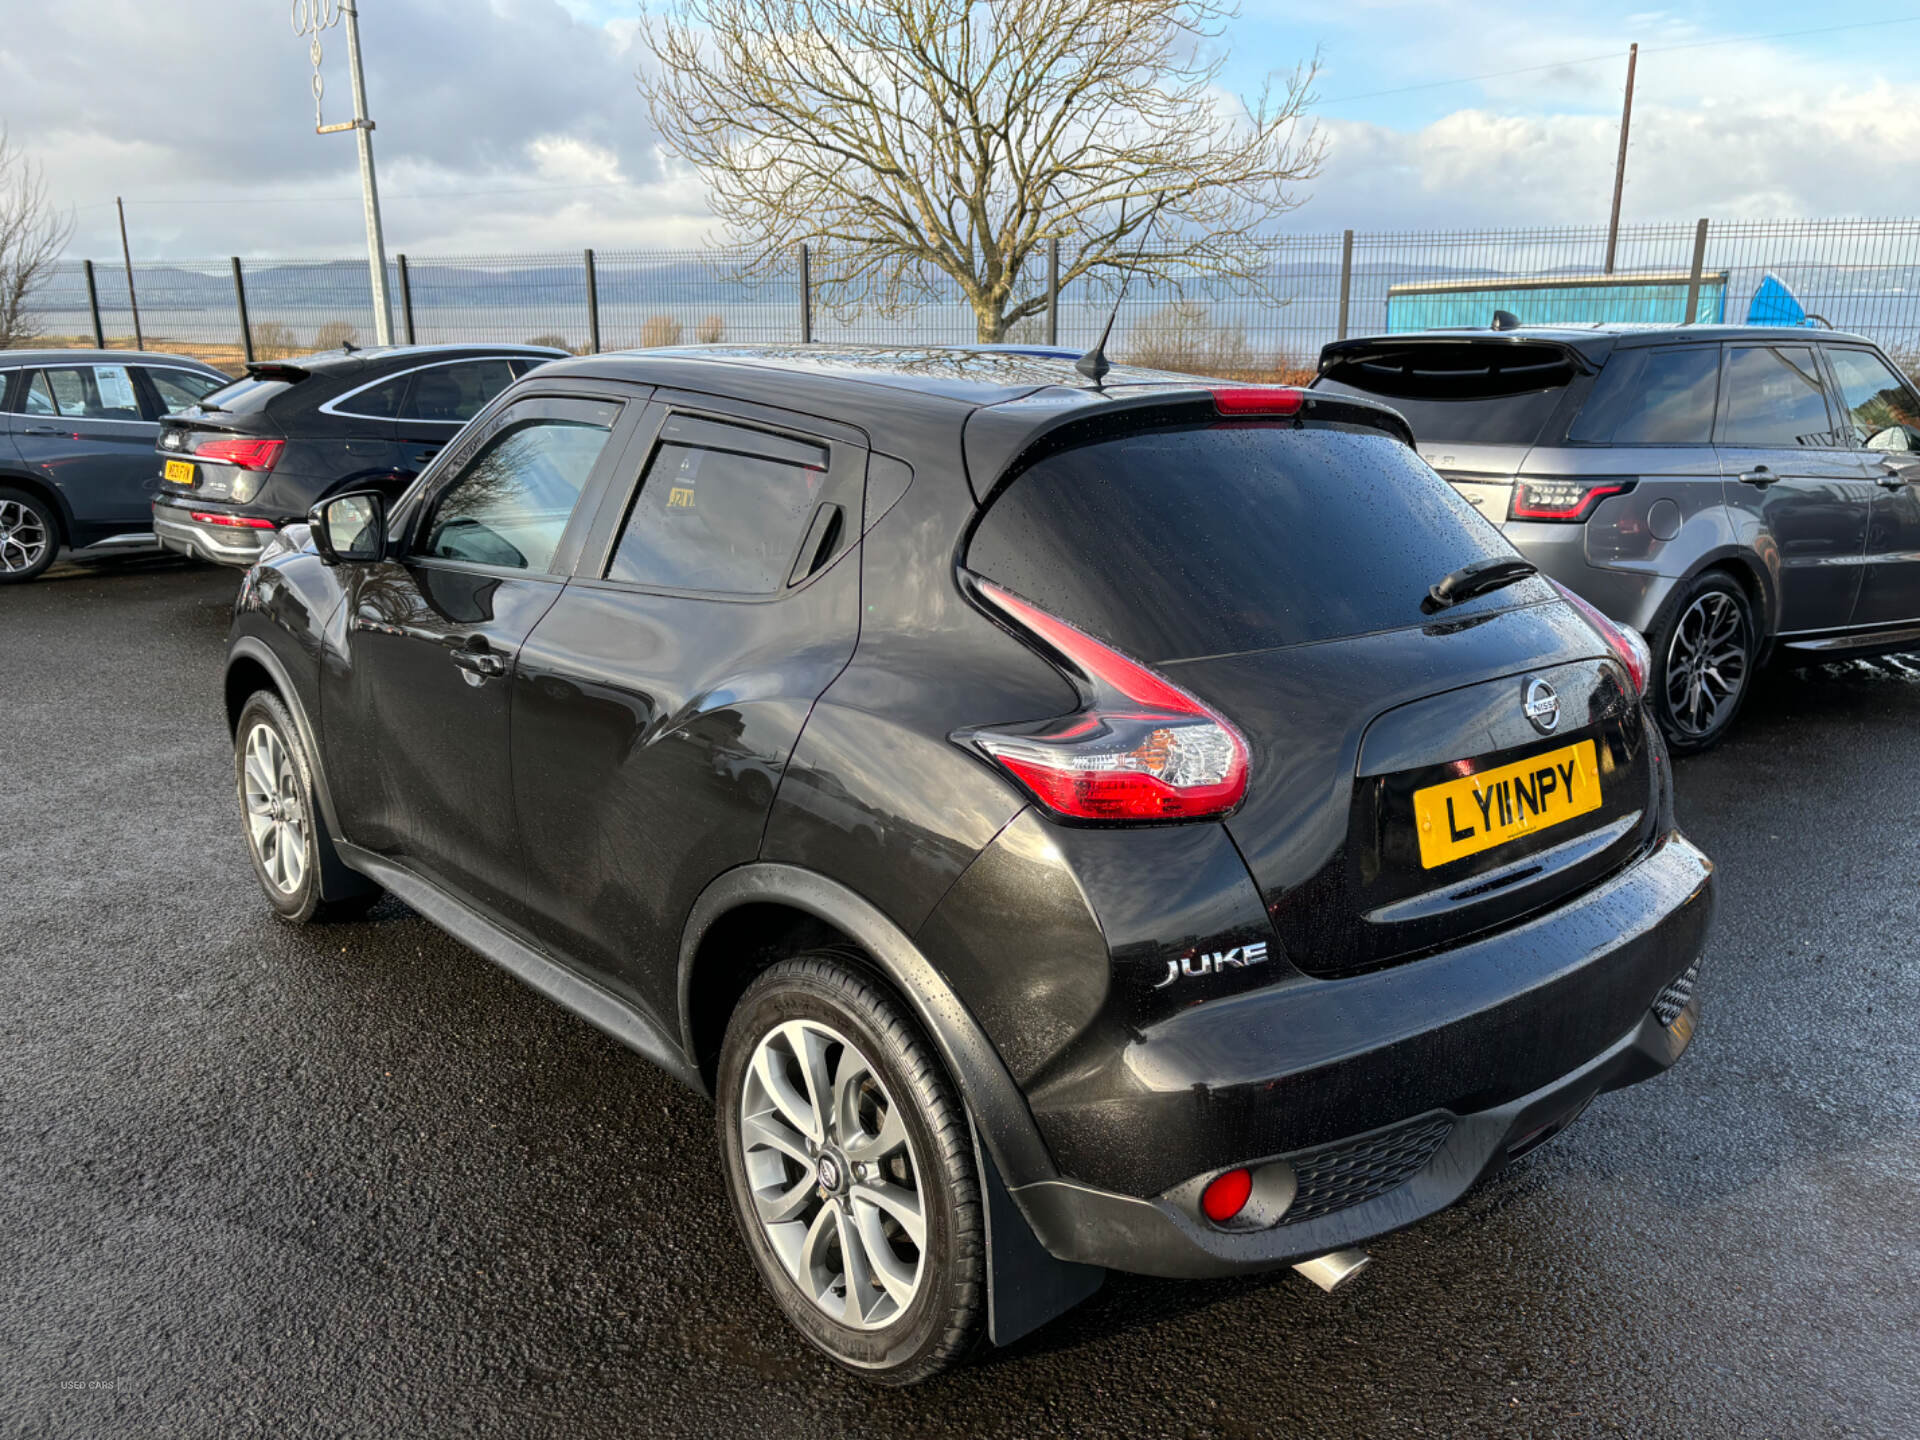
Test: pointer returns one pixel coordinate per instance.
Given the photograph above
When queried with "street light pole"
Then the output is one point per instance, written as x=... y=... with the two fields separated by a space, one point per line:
x=312 y=19
x=1620 y=165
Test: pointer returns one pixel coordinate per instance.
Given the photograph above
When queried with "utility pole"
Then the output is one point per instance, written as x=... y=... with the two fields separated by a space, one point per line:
x=1620 y=165
x=310 y=17
x=126 y=255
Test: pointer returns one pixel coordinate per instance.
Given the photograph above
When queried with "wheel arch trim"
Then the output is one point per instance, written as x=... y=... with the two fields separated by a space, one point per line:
x=1000 y=1112
x=252 y=649
x=62 y=511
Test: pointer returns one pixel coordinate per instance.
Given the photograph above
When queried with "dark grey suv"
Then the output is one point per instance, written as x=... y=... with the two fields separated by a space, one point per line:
x=1729 y=491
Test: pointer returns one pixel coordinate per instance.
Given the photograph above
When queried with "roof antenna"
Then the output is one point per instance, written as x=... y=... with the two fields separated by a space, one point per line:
x=1094 y=364
x=349 y=348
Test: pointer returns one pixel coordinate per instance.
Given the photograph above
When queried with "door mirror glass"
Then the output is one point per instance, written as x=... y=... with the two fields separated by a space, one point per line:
x=350 y=527
x=1895 y=439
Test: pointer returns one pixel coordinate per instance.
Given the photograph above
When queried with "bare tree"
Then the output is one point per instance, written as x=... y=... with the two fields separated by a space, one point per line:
x=906 y=138
x=32 y=235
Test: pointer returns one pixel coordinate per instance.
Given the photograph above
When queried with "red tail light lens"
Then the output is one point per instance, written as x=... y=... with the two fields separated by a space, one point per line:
x=239 y=522
x=1142 y=749
x=1623 y=640
x=1571 y=501
x=247 y=454
x=1259 y=400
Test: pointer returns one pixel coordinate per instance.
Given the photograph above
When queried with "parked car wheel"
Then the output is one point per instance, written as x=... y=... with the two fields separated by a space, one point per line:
x=29 y=535
x=275 y=784
x=1703 y=655
x=849 y=1162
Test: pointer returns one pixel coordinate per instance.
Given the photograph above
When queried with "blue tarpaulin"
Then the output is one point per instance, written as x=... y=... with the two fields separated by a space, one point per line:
x=1773 y=304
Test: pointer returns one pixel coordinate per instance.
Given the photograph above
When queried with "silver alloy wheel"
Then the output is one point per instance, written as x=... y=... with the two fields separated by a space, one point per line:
x=276 y=819
x=1707 y=662
x=833 y=1175
x=23 y=537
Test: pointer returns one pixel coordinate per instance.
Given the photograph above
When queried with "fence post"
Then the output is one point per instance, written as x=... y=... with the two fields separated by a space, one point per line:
x=1346 y=281
x=126 y=254
x=240 y=303
x=93 y=308
x=1693 y=280
x=806 y=295
x=406 y=298
x=593 y=307
x=1053 y=292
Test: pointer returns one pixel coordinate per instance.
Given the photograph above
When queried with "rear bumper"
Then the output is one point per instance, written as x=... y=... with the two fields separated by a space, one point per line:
x=1496 y=1044
x=176 y=529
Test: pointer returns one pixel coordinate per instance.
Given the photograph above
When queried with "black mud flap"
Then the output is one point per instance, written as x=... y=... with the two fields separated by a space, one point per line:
x=1026 y=1287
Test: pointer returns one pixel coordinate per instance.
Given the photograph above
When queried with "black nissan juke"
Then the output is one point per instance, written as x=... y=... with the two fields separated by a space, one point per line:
x=1066 y=823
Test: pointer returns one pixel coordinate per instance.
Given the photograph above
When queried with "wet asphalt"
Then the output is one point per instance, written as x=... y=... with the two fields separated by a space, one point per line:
x=352 y=1180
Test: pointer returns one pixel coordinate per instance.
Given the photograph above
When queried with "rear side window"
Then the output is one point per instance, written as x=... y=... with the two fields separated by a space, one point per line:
x=1652 y=397
x=710 y=516
x=376 y=402
x=1210 y=540
x=1460 y=393
x=454 y=394
x=180 y=389
x=1774 y=398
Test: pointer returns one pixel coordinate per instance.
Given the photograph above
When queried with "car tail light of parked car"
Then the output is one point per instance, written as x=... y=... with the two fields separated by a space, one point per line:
x=248 y=454
x=1624 y=640
x=1143 y=749
x=1569 y=501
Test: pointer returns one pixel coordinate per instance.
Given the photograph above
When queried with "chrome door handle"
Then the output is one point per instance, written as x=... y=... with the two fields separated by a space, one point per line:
x=483 y=663
x=1891 y=480
x=1759 y=477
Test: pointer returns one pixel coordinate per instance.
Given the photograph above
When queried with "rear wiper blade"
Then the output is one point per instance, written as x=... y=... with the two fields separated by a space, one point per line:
x=1476 y=579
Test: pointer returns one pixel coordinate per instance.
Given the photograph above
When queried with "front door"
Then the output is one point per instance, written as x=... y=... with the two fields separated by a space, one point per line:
x=419 y=712
x=1798 y=490
x=1882 y=412
x=82 y=430
x=658 y=701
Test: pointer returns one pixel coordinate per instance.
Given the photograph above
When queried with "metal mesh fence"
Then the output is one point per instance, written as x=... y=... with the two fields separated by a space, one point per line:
x=1284 y=298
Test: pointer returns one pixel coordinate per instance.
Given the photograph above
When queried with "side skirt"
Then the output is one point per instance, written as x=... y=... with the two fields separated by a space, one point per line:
x=568 y=989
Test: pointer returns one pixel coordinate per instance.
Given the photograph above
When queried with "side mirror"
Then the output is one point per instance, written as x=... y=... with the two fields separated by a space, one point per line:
x=350 y=527
x=1895 y=439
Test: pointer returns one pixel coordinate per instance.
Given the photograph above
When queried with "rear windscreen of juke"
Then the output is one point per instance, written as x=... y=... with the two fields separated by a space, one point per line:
x=1219 y=539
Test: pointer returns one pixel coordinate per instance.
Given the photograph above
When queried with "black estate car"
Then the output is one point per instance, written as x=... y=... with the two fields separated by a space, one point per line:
x=255 y=455
x=1155 y=824
x=1732 y=491
x=77 y=429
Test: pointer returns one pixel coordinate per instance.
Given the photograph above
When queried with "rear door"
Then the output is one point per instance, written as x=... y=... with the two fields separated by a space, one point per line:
x=1401 y=794
x=1881 y=414
x=1798 y=491
x=417 y=716
x=83 y=431
x=657 y=702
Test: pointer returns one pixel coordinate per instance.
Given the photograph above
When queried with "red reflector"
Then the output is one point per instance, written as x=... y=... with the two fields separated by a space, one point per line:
x=244 y=522
x=247 y=454
x=1227 y=1195
x=1259 y=400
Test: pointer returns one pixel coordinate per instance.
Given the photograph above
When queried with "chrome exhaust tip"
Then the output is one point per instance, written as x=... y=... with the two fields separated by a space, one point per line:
x=1334 y=1269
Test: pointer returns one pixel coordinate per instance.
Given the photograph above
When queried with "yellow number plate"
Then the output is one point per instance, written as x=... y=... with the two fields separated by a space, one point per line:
x=178 y=472
x=1476 y=812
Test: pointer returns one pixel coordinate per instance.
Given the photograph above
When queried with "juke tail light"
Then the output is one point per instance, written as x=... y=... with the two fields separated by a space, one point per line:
x=1140 y=749
x=1623 y=640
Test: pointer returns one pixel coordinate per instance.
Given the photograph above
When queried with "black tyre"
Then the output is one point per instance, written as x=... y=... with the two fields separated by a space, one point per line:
x=1703 y=662
x=29 y=535
x=850 y=1165
x=302 y=878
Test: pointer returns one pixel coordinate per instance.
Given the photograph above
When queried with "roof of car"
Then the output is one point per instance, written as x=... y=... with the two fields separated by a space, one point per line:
x=347 y=362
x=1596 y=337
x=16 y=359
x=970 y=374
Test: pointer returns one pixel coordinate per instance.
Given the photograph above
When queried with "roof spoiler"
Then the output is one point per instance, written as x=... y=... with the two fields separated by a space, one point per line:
x=1366 y=346
x=276 y=370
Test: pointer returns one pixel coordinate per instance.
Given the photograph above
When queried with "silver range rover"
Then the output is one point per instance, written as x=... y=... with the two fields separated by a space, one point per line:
x=1729 y=491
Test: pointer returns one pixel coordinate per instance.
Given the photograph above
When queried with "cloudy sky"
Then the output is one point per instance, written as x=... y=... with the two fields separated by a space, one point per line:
x=508 y=125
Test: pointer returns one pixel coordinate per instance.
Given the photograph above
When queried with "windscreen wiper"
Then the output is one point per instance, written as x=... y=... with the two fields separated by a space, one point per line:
x=1476 y=579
